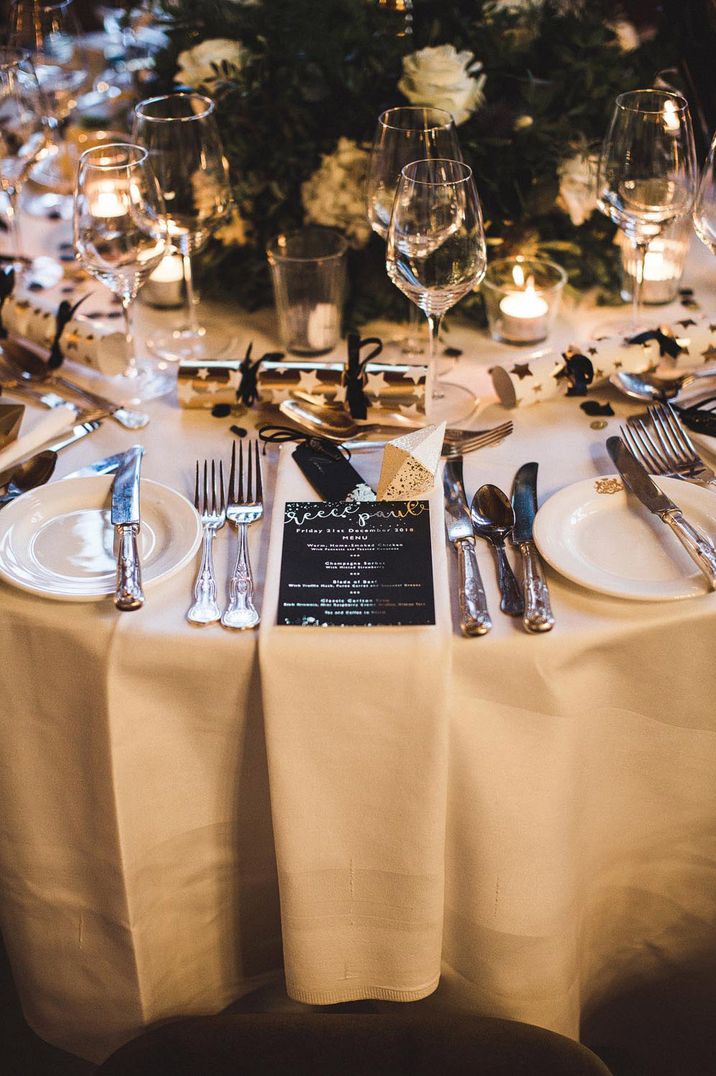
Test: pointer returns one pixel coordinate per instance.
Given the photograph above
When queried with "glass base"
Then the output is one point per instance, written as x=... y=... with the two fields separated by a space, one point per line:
x=144 y=382
x=450 y=403
x=211 y=342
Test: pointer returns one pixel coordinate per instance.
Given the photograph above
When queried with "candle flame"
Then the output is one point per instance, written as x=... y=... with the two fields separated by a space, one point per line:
x=671 y=119
x=518 y=276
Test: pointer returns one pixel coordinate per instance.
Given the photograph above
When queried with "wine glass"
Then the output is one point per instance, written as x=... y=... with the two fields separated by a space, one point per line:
x=49 y=30
x=705 y=204
x=181 y=135
x=120 y=233
x=402 y=135
x=647 y=171
x=436 y=255
x=23 y=133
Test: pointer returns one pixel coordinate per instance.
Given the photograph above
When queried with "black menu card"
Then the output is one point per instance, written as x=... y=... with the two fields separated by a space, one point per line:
x=349 y=563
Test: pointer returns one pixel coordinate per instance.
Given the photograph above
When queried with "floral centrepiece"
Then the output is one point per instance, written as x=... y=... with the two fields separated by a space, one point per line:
x=299 y=85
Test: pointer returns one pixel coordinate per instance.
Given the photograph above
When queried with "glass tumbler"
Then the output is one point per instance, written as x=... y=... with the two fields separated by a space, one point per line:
x=308 y=268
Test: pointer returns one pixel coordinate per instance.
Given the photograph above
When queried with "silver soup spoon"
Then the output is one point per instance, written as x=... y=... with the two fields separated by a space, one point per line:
x=493 y=519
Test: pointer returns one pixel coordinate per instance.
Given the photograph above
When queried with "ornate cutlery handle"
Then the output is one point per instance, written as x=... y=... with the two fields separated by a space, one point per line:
x=474 y=615
x=511 y=601
x=128 y=593
x=695 y=542
x=538 y=610
x=205 y=609
x=241 y=611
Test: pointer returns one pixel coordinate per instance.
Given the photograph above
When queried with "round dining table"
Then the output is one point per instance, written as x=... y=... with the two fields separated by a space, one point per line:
x=515 y=824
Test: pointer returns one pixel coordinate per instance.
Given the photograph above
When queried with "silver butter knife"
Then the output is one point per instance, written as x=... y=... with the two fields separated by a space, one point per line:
x=538 y=609
x=125 y=519
x=474 y=615
x=636 y=479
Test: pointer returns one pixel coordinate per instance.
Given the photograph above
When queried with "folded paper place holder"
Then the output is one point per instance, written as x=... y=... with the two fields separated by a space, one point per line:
x=410 y=463
x=10 y=422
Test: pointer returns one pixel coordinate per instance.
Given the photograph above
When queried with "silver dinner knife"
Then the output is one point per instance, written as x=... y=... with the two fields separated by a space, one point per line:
x=125 y=519
x=108 y=465
x=636 y=479
x=474 y=615
x=538 y=615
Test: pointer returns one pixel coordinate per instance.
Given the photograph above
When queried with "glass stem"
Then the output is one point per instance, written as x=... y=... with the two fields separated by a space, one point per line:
x=192 y=322
x=639 y=260
x=434 y=326
x=14 y=223
x=412 y=345
x=131 y=368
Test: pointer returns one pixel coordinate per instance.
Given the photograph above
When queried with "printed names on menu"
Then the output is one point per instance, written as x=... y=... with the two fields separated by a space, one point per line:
x=349 y=563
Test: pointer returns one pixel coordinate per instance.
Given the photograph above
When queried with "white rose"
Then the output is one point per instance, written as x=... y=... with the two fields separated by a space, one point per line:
x=626 y=34
x=578 y=187
x=334 y=196
x=198 y=66
x=444 y=78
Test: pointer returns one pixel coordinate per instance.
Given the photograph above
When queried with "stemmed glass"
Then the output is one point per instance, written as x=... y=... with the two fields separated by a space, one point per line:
x=23 y=134
x=120 y=234
x=436 y=255
x=405 y=134
x=647 y=171
x=705 y=204
x=181 y=135
x=49 y=30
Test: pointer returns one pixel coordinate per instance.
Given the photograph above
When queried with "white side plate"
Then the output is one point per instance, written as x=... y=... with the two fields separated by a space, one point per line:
x=616 y=546
x=58 y=541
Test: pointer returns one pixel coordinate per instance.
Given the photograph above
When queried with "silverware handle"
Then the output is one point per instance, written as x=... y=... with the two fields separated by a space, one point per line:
x=129 y=594
x=695 y=542
x=511 y=600
x=538 y=609
x=205 y=609
x=241 y=612
x=474 y=615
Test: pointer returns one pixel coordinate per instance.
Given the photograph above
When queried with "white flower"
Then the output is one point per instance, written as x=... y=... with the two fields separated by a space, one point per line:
x=198 y=66
x=335 y=194
x=626 y=34
x=442 y=77
x=578 y=187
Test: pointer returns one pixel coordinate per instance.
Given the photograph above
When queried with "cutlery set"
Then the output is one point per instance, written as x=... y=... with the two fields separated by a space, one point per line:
x=491 y=516
x=241 y=502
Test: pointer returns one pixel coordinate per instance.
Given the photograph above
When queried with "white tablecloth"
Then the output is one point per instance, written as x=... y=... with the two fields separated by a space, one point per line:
x=137 y=866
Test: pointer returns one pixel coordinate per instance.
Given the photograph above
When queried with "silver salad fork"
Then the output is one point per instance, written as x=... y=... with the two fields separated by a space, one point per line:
x=211 y=506
x=245 y=505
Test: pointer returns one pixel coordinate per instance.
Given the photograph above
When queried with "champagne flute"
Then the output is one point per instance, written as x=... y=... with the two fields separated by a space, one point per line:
x=23 y=134
x=705 y=204
x=647 y=171
x=120 y=234
x=404 y=134
x=181 y=135
x=436 y=255
x=49 y=30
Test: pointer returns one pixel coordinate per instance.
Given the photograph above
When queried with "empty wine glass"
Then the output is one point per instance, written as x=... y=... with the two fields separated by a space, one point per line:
x=405 y=134
x=181 y=135
x=705 y=204
x=23 y=134
x=647 y=171
x=120 y=234
x=49 y=30
x=436 y=255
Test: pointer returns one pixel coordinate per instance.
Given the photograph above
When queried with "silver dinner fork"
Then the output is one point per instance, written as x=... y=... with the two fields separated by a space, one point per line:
x=244 y=506
x=662 y=444
x=468 y=441
x=210 y=504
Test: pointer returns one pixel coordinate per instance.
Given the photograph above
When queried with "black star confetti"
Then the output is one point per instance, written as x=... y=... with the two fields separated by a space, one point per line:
x=593 y=407
x=591 y=351
x=453 y=352
x=686 y=322
x=709 y=354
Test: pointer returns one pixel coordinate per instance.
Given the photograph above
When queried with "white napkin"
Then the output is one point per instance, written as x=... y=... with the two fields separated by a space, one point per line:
x=47 y=426
x=356 y=733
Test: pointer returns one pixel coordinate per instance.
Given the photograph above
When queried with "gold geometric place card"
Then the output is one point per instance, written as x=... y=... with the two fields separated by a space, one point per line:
x=10 y=420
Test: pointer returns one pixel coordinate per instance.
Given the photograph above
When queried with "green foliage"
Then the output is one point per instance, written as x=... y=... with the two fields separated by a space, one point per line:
x=322 y=69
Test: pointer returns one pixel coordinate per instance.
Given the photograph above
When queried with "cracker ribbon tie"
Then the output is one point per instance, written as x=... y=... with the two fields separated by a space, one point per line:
x=668 y=345
x=65 y=312
x=279 y=435
x=579 y=371
x=248 y=391
x=354 y=376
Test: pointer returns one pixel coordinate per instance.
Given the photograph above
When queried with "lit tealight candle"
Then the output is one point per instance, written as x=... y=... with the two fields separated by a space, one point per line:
x=524 y=312
x=164 y=286
x=107 y=203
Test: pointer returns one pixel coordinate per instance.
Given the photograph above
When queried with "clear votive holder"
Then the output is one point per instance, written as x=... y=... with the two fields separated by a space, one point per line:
x=308 y=268
x=522 y=297
x=663 y=265
x=164 y=289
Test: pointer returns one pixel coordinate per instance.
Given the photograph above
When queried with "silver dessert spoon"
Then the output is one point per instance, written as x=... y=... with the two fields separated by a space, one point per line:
x=332 y=422
x=33 y=472
x=653 y=388
x=493 y=519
